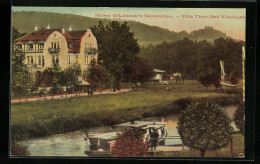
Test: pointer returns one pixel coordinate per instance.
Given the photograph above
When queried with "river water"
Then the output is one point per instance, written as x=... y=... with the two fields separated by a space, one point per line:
x=73 y=144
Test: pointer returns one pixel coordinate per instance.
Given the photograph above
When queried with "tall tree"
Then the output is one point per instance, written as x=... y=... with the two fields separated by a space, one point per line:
x=97 y=75
x=21 y=79
x=16 y=34
x=140 y=71
x=117 y=47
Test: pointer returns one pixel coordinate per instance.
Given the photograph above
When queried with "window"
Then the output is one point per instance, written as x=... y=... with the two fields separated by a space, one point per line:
x=28 y=59
x=30 y=47
x=40 y=60
x=54 y=45
x=85 y=45
x=40 y=46
x=31 y=59
x=89 y=35
x=77 y=58
x=58 y=45
x=19 y=46
x=53 y=59
x=70 y=45
x=85 y=58
x=57 y=59
x=51 y=44
x=69 y=59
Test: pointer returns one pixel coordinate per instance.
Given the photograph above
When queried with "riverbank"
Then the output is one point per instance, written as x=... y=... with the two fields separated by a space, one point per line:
x=44 y=118
x=238 y=151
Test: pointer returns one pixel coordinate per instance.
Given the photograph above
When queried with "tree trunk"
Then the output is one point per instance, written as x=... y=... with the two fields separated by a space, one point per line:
x=20 y=94
x=52 y=92
x=231 y=147
x=215 y=153
x=202 y=152
x=119 y=85
x=66 y=91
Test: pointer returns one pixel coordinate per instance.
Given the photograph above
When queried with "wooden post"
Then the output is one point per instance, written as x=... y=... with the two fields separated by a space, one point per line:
x=215 y=153
x=243 y=70
x=52 y=92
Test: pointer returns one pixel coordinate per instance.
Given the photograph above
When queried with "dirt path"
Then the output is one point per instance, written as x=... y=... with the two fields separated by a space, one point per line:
x=108 y=91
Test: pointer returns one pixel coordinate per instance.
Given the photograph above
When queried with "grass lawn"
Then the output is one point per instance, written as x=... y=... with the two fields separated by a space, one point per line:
x=42 y=118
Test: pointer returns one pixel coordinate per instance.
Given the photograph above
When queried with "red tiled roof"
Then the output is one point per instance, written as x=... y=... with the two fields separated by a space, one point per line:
x=76 y=39
x=76 y=34
x=43 y=34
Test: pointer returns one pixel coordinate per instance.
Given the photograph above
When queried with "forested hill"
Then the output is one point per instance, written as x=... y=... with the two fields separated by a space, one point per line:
x=25 y=21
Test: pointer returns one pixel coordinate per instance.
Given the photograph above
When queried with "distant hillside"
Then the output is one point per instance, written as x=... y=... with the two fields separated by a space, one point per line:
x=25 y=21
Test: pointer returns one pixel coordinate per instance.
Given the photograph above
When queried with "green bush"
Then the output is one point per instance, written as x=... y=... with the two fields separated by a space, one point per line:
x=204 y=126
x=19 y=150
x=239 y=118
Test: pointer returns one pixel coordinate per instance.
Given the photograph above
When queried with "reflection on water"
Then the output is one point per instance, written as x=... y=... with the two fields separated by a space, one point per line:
x=69 y=144
x=74 y=144
x=171 y=124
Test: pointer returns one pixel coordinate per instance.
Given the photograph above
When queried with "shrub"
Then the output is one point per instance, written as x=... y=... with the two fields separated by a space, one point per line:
x=19 y=150
x=130 y=144
x=239 y=118
x=204 y=126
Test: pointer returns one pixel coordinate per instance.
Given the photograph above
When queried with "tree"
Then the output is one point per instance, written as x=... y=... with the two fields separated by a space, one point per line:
x=72 y=74
x=239 y=118
x=130 y=144
x=16 y=34
x=117 y=47
x=97 y=75
x=204 y=126
x=21 y=79
x=140 y=71
x=209 y=79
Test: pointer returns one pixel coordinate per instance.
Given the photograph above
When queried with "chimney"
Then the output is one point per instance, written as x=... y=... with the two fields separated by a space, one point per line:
x=70 y=28
x=48 y=26
x=63 y=30
x=35 y=28
x=88 y=30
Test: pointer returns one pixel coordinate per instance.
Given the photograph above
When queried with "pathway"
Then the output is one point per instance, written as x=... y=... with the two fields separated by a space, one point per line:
x=49 y=97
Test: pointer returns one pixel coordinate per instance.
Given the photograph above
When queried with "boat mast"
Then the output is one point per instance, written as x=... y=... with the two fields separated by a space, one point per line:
x=222 y=71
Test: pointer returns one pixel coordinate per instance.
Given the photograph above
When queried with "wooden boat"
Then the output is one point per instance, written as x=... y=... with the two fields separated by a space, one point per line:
x=102 y=142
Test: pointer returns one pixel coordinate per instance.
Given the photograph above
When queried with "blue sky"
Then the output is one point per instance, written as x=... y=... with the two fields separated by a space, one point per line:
x=231 y=26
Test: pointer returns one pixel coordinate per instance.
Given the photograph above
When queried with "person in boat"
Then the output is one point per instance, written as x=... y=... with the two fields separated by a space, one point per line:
x=88 y=141
x=154 y=139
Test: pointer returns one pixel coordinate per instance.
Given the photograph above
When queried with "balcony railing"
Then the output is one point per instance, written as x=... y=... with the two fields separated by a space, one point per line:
x=40 y=50
x=29 y=50
x=91 y=51
x=18 y=50
x=54 y=50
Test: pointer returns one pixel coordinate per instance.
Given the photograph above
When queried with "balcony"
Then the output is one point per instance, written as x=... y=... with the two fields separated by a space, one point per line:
x=53 y=50
x=29 y=50
x=18 y=50
x=90 y=51
x=40 y=50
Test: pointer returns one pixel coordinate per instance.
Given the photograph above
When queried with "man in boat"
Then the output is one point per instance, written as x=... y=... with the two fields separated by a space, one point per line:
x=154 y=139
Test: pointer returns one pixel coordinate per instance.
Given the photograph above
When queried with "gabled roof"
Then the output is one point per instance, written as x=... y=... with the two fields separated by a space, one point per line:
x=42 y=35
x=76 y=34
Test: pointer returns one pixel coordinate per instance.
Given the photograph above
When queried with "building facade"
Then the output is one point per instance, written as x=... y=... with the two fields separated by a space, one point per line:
x=46 y=47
